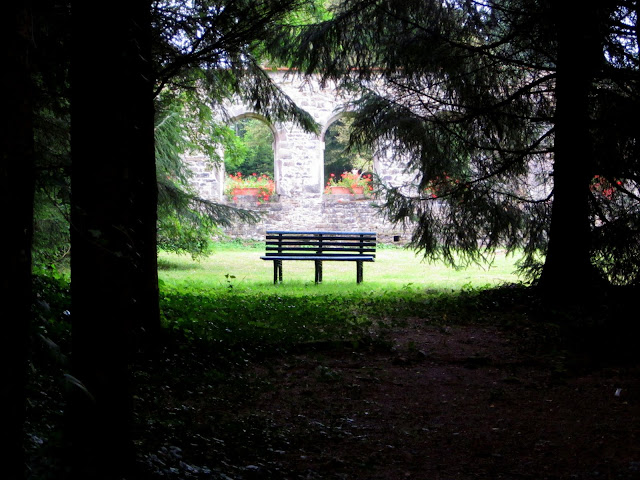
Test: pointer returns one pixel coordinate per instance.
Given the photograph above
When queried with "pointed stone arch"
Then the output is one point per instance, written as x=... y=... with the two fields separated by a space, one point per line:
x=322 y=137
x=333 y=119
x=277 y=165
x=342 y=114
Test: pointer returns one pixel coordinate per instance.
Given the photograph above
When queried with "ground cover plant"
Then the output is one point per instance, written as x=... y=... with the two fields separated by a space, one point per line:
x=382 y=380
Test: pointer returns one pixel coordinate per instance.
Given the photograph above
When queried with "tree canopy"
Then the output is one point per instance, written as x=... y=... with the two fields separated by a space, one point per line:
x=201 y=55
x=513 y=117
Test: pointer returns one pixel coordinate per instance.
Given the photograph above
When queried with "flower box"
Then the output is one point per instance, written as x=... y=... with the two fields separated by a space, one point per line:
x=349 y=183
x=340 y=190
x=252 y=191
x=260 y=186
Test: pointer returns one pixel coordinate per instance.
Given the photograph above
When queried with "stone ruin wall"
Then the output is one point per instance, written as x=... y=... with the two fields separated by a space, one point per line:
x=300 y=202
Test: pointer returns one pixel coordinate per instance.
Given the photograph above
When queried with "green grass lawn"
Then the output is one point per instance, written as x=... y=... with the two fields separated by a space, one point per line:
x=395 y=268
x=229 y=297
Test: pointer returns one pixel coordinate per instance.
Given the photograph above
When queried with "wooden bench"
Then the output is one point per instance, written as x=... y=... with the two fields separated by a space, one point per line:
x=319 y=247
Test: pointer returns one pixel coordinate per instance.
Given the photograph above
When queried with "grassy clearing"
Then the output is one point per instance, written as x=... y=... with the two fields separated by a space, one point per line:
x=218 y=327
x=229 y=298
x=239 y=267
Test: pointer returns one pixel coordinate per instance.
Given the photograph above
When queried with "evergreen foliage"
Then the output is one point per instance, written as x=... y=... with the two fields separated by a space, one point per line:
x=196 y=71
x=214 y=46
x=186 y=222
x=50 y=77
x=466 y=93
x=207 y=53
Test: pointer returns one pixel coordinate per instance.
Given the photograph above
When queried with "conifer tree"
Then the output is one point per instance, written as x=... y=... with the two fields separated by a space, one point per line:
x=186 y=221
x=504 y=112
x=137 y=52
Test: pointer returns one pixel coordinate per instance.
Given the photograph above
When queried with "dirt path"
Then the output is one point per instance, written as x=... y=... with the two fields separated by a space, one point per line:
x=430 y=403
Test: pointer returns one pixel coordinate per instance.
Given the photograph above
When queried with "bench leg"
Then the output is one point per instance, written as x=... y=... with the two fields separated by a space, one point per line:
x=359 y=272
x=318 y=271
x=277 y=271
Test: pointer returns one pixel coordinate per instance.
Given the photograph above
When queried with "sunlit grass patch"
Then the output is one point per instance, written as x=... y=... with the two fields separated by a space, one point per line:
x=240 y=267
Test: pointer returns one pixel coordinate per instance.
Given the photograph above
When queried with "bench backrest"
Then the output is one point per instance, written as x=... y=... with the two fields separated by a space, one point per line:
x=320 y=243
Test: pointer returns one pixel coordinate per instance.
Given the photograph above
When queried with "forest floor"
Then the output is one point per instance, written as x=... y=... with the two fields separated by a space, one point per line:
x=421 y=401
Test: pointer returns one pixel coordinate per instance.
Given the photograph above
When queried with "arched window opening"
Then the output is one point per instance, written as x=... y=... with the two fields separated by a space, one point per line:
x=344 y=166
x=249 y=160
x=252 y=149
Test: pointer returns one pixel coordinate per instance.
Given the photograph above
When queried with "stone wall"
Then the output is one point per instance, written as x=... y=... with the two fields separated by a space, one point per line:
x=300 y=203
x=208 y=177
x=321 y=213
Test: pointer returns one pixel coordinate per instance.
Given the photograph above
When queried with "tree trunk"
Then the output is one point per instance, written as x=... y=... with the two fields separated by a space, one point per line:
x=16 y=196
x=568 y=274
x=113 y=272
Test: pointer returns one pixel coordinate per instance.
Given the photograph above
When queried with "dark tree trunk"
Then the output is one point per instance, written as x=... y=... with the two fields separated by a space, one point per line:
x=16 y=196
x=568 y=274
x=146 y=204
x=113 y=270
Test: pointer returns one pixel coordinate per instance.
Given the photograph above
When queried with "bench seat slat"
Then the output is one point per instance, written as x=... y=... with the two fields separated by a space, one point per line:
x=319 y=250
x=323 y=243
x=320 y=254
x=320 y=239
x=313 y=256
x=319 y=234
x=323 y=258
x=302 y=232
